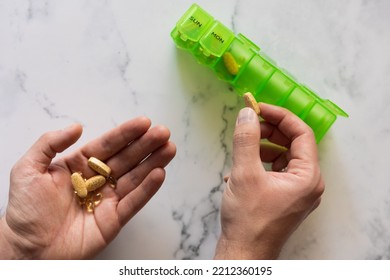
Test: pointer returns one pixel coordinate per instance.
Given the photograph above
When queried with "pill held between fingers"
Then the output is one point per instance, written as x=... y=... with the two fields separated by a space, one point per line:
x=95 y=182
x=79 y=185
x=99 y=166
x=251 y=102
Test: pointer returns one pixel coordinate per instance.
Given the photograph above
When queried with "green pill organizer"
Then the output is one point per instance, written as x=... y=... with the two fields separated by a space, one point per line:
x=237 y=60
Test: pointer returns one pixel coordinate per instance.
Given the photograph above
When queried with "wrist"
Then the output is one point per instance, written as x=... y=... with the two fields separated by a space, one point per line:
x=9 y=250
x=243 y=250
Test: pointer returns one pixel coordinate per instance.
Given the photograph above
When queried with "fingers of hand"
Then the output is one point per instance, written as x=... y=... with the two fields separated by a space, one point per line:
x=134 y=153
x=284 y=128
x=129 y=205
x=116 y=139
x=287 y=123
x=275 y=154
x=133 y=179
x=316 y=192
x=246 y=138
x=51 y=143
x=273 y=134
x=137 y=154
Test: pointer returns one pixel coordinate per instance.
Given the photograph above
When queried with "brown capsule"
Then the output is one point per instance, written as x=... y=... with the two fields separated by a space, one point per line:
x=99 y=166
x=95 y=182
x=251 y=102
x=79 y=184
x=112 y=182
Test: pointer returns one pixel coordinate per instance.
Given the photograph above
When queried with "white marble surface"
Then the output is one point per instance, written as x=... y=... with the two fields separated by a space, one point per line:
x=102 y=62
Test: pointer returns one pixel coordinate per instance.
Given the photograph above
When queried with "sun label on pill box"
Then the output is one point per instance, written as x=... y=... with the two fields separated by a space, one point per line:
x=99 y=166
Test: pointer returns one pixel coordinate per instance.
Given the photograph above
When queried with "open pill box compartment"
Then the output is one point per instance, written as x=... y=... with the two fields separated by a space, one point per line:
x=237 y=60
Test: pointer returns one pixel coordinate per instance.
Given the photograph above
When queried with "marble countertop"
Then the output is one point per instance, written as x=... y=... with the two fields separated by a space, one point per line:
x=102 y=62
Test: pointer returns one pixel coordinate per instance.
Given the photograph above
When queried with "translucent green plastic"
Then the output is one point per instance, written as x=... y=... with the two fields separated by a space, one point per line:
x=237 y=60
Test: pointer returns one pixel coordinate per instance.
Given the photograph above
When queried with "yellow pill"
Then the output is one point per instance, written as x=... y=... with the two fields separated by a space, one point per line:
x=79 y=184
x=230 y=63
x=95 y=182
x=251 y=102
x=99 y=166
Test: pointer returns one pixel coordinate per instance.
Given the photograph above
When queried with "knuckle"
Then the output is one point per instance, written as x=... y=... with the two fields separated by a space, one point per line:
x=245 y=139
x=320 y=187
x=15 y=169
x=45 y=137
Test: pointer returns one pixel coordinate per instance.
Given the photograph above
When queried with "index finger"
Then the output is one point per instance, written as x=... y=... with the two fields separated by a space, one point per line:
x=303 y=145
x=116 y=139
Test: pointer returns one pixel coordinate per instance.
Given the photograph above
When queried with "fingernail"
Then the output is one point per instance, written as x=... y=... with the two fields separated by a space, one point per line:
x=246 y=115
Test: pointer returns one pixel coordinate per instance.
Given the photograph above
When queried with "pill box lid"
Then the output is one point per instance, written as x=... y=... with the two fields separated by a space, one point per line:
x=193 y=23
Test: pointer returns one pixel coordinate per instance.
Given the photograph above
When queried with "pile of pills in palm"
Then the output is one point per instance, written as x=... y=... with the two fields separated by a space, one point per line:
x=86 y=188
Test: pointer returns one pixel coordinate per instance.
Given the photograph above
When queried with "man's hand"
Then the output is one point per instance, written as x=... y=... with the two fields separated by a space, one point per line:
x=44 y=220
x=260 y=209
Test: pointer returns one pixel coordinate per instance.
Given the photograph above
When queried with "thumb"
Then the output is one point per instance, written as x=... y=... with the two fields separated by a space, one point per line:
x=49 y=144
x=246 y=139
